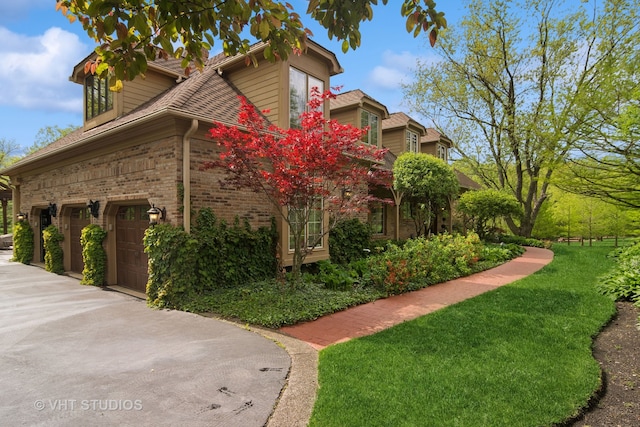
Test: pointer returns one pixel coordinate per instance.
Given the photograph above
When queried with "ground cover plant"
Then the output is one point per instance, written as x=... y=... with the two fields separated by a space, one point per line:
x=328 y=287
x=517 y=356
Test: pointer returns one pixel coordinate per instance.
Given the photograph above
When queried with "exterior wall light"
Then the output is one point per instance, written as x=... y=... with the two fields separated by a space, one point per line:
x=156 y=214
x=347 y=193
x=53 y=209
x=22 y=216
x=94 y=206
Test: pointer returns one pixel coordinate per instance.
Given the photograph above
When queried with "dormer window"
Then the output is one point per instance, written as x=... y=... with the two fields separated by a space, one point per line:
x=412 y=141
x=373 y=121
x=441 y=152
x=98 y=97
x=300 y=87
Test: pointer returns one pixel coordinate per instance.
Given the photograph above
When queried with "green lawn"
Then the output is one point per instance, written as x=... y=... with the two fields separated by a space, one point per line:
x=517 y=356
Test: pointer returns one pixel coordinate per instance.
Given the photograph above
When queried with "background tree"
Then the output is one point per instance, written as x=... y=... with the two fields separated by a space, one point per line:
x=608 y=163
x=319 y=171
x=131 y=32
x=485 y=206
x=8 y=150
x=427 y=182
x=509 y=86
x=47 y=135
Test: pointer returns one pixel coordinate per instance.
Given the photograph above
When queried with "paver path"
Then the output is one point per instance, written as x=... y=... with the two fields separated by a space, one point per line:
x=375 y=316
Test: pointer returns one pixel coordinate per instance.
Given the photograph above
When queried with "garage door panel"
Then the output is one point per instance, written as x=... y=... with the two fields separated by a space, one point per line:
x=131 y=223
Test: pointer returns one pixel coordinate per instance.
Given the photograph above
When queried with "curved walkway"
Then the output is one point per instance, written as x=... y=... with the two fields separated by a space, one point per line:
x=375 y=316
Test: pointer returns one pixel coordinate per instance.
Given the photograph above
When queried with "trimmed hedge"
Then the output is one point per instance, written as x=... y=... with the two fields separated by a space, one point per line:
x=349 y=240
x=22 y=242
x=93 y=255
x=53 y=255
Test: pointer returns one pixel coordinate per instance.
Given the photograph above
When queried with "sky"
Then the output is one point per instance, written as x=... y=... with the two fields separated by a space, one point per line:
x=39 y=48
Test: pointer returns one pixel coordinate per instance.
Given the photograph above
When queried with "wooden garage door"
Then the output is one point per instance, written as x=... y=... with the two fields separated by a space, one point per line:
x=79 y=220
x=131 y=223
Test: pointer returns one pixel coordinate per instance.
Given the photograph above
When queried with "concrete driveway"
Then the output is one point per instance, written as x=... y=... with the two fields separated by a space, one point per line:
x=79 y=355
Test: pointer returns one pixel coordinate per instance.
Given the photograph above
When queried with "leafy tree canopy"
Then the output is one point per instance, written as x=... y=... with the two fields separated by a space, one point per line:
x=131 y=32
x=424 y=176
x=47 y=135
x=488 y=205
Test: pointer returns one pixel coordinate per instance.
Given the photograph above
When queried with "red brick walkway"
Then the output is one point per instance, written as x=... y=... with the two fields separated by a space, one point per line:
x=375 y=316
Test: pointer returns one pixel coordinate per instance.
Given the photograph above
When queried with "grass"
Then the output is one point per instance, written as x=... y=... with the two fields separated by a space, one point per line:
x=517 y=356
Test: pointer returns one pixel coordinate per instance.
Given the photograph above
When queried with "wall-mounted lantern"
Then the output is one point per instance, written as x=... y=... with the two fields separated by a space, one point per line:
x=156 y=214
x=94 y=207
x=53 y=209
x=347 y=193
x=22 y=216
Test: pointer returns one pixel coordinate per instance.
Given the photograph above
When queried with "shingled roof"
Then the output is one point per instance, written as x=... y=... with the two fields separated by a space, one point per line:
x=204 y=96
x=399 y=120
x=355 y=98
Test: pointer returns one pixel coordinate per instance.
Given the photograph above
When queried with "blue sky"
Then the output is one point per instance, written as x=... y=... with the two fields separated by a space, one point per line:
x=39 y=48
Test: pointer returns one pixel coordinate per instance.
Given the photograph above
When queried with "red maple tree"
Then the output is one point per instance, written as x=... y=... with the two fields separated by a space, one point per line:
x=321 y=169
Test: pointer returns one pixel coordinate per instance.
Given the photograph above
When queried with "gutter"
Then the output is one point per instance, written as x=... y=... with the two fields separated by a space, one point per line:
x=186 y=174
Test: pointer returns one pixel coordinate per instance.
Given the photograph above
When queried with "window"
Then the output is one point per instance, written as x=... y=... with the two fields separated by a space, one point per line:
x=441 y=152
x=314 y=228
x=405 y=210
x=371 y=120
x=412 y=142
x=300 y=86
x=98 y=97
x=376 y=218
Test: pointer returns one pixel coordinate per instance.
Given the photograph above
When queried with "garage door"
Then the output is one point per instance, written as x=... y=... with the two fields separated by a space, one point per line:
x=131 y=223
x=79 y=220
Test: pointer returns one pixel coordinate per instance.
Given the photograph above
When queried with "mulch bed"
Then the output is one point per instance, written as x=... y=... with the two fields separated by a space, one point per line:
x=617 y=349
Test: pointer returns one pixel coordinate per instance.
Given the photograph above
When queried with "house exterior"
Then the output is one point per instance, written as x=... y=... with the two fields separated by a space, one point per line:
x=144 y=146
x=398 y=133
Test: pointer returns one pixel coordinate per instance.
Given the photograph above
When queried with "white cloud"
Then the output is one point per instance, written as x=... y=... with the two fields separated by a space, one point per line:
x=396 y=69
x=35 y=70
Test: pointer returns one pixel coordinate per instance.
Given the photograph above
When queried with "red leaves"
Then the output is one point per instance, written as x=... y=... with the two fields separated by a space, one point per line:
x=295 y=166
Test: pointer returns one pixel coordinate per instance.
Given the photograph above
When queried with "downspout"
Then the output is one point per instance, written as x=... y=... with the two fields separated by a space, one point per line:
x=186 y=175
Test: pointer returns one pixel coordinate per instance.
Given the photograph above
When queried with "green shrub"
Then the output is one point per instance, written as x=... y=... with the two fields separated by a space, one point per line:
x=22 y=242
x=496 y=254
x=232 y=256
x=173 y=273
x=349 y=240
x=214 y=256
x=421 y=262
x=53 y=255
x=334 y=276
x=93 y=255
x=523 y=241
x=623 y=283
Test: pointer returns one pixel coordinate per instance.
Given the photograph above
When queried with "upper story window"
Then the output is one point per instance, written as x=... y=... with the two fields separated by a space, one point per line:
x=412 y=142
x=442 y=152
x=98 y=97
x=373 y=121
x=300 y=86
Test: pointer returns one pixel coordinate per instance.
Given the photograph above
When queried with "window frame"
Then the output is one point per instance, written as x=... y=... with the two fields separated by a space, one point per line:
x=317 y=222
x=300 y=103
x=97 y=97
x=375 y=209
x=373 y=132
x=442 y=152
x=412 y=141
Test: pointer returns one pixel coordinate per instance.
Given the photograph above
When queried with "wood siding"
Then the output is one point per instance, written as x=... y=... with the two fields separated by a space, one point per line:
x=140 y=90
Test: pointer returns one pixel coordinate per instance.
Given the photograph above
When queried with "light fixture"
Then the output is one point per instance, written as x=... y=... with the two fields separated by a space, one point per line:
x=346 y=193
x=22 y=216
x=155 y=214
x=53 y=209
x=94 y=207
